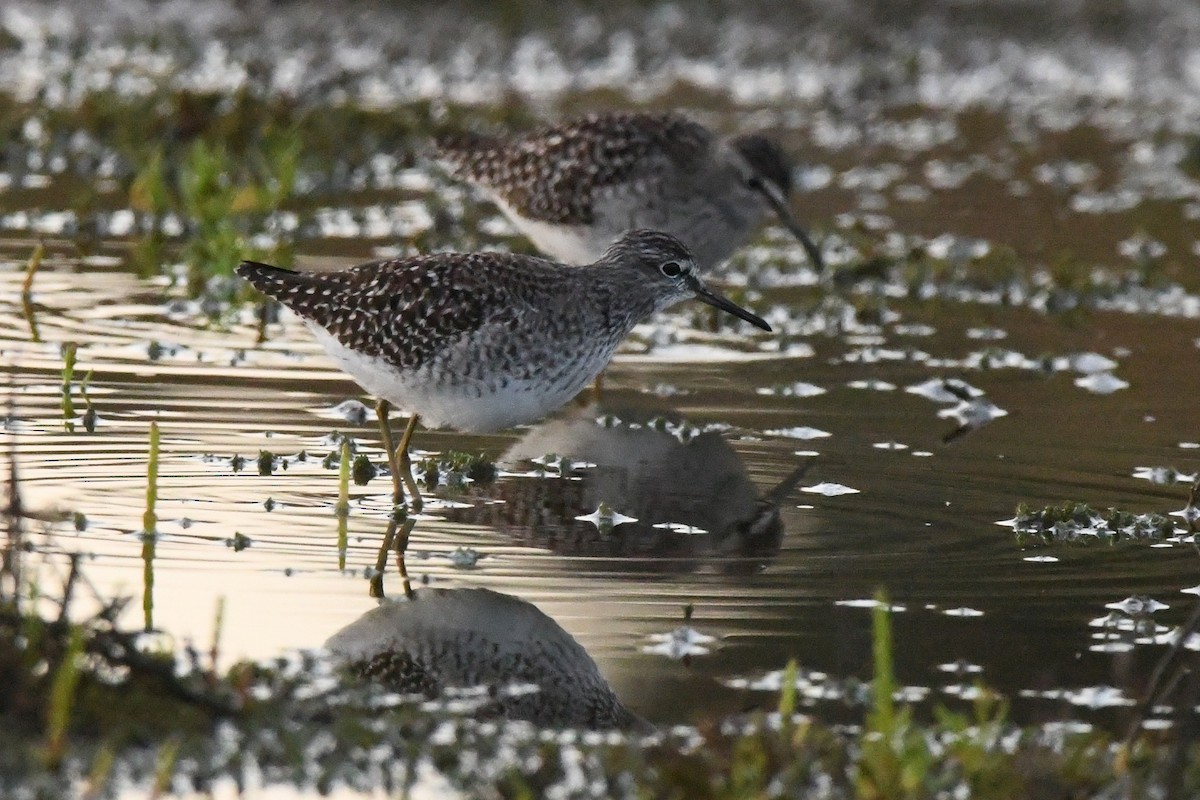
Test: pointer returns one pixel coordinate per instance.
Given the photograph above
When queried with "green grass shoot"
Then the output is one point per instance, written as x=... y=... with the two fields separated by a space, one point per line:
x=883 y=711
x=68 y=374
x=62 y=697
x=787 y=691
x=31 y=268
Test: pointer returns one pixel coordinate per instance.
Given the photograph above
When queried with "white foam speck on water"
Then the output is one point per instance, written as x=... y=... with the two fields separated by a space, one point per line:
x=801 y=432
x=939 y=390
x=1101 y=383
x=870 y=602
x=798 y=389
x=830 y=489
x=873 y=385
x=682 y=642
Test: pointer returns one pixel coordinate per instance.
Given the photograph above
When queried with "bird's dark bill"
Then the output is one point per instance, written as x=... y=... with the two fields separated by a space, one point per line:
x=706 y=295
x=785 y=216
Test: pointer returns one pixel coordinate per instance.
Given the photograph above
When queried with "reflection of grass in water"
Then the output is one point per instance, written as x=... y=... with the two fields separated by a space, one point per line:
x=342 y=508
x=150 y=529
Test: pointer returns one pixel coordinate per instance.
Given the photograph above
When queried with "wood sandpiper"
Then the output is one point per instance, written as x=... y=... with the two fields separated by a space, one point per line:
x=573 y=188
x=483 y=341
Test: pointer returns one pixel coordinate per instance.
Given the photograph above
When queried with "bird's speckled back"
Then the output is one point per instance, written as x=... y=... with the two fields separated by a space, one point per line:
x=552 y=173
x=516 y=315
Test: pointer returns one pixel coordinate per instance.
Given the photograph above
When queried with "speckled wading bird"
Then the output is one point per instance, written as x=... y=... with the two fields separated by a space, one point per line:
x=573 y=188
x=484 y=341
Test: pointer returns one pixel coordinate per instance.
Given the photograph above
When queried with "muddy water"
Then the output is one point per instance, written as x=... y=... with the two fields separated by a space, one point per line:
x=777 y=481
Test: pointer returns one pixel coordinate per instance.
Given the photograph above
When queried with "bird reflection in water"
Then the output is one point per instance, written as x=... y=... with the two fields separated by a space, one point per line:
x=647 y=465
x=483 y=653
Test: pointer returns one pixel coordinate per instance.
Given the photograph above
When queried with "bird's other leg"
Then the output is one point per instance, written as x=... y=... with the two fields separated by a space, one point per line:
x=405 y=463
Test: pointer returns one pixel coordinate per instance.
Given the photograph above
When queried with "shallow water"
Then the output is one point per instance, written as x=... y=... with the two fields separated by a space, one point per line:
x=921 y=523
x=778 y=568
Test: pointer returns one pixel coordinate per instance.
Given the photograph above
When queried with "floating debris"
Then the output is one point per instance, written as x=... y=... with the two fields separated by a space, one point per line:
x=464 y=557
x=944 y=390
x=1137 y=604
x=1164 y=475
x=683 y=642
x=798 y=389
x=871 y=602
x=680 y=527
x=1093 y=697
x=1141 y=248
x=987 y=334
x=810 y=685
x=961 y=667
x=873 y=385
x=1101 y=383
x=605 y=518
x=803 y=432
x=352 y=411
x=914 y=329
x=239 y=542
x=971 y=415
x=1086 y=363
x=1189 y=513
x=829 y=489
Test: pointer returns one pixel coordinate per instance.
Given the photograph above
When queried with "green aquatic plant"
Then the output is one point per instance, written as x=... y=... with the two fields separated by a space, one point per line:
x=223 y=201
x=67 y=403
x=454 y=469
x=31 y=268
x=363 y=470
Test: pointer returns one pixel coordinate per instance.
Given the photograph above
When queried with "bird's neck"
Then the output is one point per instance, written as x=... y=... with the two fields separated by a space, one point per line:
x=623 y=291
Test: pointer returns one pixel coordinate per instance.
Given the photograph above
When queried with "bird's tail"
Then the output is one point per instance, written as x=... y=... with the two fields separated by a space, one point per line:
x=274 y=282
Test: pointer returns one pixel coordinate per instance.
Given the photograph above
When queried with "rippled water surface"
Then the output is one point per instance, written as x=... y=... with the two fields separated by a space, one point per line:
x=777 y=481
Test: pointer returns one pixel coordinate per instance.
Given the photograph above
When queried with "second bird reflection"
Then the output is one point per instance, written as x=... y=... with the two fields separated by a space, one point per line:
x=687 y=489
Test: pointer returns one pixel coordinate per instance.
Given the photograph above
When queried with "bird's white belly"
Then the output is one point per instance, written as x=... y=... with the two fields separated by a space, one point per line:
x=479 y=407
x=570 y=244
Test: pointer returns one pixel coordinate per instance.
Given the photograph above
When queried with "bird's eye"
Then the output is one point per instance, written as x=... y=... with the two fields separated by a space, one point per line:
x=672 y=269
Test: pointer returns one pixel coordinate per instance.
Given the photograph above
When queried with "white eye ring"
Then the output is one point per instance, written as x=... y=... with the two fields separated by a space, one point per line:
x=672 y=269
